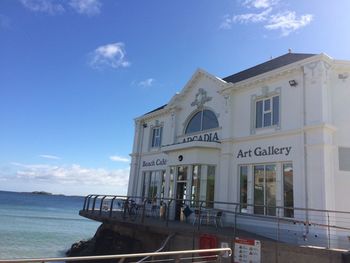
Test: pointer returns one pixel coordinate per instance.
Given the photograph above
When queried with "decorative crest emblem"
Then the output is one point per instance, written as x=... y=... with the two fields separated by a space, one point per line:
x=201 y=98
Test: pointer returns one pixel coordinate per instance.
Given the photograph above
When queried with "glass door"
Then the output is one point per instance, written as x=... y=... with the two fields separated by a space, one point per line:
x=181 y=190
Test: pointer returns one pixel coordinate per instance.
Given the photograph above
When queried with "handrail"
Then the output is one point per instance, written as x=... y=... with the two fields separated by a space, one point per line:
x=234 y=211
x=220 y=251
x=318 y=229
x=94 y=197
x=159 y=249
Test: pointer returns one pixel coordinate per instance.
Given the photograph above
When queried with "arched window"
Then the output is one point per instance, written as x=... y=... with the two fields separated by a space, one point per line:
x=201 y=121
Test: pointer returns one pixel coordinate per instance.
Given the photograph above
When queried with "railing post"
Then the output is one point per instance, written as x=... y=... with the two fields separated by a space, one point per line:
x=278 y=233
x=101 y=204
x=329 y=231
x=88 y=202
x=111 y=208
x=143 y=210
x=126 y=207
x=94 y=203
x=235 y=230
x=85 y=199
x=235 y=226
x=167 y=212
x=200 y=215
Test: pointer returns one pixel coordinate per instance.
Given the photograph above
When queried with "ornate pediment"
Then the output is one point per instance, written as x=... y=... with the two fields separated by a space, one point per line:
x=201 y=98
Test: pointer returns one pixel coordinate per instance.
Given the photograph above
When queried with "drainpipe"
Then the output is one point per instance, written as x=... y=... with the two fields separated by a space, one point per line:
x=305 y=153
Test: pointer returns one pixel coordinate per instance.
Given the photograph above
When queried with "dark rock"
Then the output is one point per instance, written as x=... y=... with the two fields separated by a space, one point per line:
x=82 y=248
x=105 y=242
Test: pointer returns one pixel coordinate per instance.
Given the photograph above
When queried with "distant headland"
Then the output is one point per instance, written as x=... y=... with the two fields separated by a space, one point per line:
x=41 y=193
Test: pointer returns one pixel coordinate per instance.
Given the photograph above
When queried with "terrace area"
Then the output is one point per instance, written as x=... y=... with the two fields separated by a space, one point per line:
x=303 y=227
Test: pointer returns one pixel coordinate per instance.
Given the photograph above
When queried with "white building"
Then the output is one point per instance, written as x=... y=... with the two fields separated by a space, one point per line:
x=275 y=135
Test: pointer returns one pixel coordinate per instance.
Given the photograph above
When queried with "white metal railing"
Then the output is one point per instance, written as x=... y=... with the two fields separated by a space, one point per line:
x=293 y=225
x=205 y=255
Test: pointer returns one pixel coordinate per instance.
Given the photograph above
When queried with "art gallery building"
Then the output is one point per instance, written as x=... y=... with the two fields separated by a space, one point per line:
x=274 y=135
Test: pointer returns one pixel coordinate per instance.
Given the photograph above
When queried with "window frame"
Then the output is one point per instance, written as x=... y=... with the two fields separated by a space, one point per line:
x=156 y=140
x=274 y=111
x=288 y=213
x=201 y=111
x=243 y=205
x=267 y=122
x=153 y=184
x=279 y=191
x=267 y=211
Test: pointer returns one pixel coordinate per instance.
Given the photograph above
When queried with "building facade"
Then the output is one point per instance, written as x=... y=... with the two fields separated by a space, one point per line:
x=274 y=135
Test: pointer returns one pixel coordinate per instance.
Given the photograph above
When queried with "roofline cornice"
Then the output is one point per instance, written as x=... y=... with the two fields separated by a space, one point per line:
x=341 y=64
x=157 y=113
x=276 y=73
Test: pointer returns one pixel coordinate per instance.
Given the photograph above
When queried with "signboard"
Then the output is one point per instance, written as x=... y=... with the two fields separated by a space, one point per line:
x=157 y=162
x=206 y=137
x=247 y=250
x=267 y=151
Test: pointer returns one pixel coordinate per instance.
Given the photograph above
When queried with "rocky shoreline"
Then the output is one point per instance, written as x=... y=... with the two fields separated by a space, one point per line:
x=106 y=241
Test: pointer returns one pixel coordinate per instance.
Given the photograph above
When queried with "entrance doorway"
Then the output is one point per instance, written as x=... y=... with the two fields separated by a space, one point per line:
x=181 y=190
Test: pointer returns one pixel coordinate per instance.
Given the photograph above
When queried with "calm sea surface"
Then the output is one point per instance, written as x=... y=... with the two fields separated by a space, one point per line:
x=33 y=225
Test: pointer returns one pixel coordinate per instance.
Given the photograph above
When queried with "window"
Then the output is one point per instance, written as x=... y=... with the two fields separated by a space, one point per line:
x=265 y=189
x=267 y=112
x=203 y=185
x=288 y=195
x=344 y=157
x=196 y=184
x=171 y=183
x=182 y=173
x=153 y=184
x=156 y=137
x=201 y=121
x=243 y=181
x=210 y=186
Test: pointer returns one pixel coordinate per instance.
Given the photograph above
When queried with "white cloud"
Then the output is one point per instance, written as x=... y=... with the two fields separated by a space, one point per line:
x=87 y=7
x=245 y=18
x=71 y=174
x=146 y=83
x=226 y=23
x=44 y=6
x=110 y=55
x=288 y=22
x=260 y=3
x=52 y=7
x=252 y=17
x=49 y=156
x=116 y=158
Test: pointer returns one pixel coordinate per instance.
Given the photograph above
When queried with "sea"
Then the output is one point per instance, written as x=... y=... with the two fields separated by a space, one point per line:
x=40 y=225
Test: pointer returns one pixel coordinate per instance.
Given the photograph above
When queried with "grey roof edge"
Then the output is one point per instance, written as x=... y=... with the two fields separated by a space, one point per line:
x=154 y=110
x=267 y=66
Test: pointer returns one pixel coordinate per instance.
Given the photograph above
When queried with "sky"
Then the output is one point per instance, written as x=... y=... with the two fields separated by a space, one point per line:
x=75 y=73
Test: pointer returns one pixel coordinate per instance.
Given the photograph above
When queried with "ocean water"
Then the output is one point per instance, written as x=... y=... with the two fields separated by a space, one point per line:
x=33 y=225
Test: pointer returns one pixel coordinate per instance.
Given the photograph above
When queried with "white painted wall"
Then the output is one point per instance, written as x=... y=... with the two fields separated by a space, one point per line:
x=323 y=127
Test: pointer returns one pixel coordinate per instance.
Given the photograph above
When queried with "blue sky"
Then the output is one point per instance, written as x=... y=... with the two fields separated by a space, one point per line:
x=75 y=73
